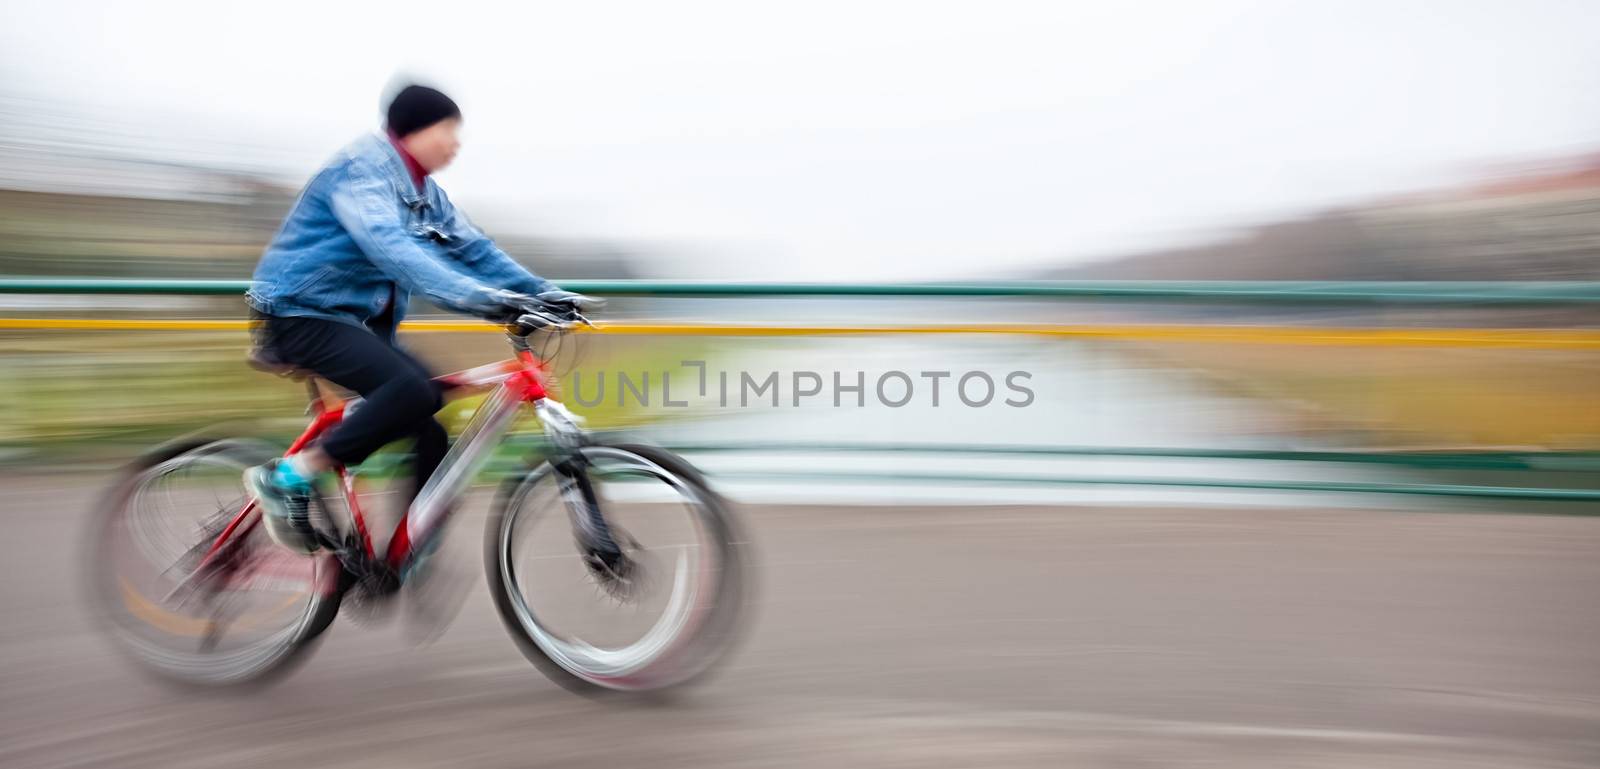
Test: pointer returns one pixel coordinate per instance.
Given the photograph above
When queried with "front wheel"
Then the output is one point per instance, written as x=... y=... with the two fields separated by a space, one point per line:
x=660 y=619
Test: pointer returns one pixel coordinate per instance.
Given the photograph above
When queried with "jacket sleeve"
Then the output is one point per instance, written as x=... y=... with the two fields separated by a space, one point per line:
x=367 y=207
x=482 y=259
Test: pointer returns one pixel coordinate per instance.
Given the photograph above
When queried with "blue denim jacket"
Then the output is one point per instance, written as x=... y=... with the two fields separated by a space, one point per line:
x=361 y=230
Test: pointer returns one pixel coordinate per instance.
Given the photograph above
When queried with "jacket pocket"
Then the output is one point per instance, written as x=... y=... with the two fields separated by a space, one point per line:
x=301 y=286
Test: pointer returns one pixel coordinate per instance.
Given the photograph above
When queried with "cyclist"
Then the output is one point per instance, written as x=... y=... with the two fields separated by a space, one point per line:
x=369 y=230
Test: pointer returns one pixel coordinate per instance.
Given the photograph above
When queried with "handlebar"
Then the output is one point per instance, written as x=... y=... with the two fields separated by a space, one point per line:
x=558 y=317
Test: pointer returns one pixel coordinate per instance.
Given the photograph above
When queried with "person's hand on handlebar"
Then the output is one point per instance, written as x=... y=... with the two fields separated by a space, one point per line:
x=504 y=306
x=548 y=308
x=578 y=302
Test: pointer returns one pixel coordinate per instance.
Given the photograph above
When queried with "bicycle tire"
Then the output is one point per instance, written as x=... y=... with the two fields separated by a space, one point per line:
x=694 y=655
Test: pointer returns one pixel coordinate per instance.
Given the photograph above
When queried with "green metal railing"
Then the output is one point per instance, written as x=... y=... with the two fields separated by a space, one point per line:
x=1577 y=461
x=1297 y=292
x=1382 y=292
x=513 y=456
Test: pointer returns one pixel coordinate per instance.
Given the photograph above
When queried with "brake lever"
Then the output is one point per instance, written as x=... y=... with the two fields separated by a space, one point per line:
x=537 y=319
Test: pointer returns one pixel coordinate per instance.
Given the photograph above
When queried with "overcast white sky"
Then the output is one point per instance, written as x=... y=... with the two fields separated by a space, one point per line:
x=813 y=140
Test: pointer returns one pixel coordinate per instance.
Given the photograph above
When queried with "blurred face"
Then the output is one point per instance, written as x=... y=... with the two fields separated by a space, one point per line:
x=435 y=146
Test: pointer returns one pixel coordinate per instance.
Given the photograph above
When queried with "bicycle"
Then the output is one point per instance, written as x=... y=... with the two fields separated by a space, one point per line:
x=191 y=587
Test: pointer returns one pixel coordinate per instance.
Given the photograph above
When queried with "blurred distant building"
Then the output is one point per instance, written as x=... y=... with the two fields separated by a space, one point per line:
x=80 y=214
x=1543 y=225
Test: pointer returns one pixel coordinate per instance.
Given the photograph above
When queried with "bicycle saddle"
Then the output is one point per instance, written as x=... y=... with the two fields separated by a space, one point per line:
x=265 y=359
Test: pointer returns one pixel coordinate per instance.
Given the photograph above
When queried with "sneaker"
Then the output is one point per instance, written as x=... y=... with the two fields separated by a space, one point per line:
x=285 y=508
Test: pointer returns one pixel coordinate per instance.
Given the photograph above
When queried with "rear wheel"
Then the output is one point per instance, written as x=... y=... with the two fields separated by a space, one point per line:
x=660 y=617
x=247 y=616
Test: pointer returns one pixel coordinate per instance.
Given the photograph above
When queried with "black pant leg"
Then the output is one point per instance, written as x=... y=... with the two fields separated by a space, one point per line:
x=432 y=444
x=399 y=395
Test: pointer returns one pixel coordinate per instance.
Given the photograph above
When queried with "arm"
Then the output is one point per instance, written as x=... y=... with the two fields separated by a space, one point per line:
x=369 y=210
x=483 y=259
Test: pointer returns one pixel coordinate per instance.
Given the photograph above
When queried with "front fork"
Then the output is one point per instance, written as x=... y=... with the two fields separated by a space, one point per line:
x=583 y=505
x=571 y=468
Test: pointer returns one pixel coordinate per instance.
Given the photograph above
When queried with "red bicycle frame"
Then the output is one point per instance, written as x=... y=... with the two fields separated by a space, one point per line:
x=512 y=383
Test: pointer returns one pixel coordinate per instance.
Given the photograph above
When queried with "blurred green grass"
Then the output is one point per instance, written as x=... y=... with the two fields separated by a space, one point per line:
x=70 y=394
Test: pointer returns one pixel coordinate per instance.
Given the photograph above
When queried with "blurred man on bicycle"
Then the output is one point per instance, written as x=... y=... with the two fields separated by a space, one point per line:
x=368 y=231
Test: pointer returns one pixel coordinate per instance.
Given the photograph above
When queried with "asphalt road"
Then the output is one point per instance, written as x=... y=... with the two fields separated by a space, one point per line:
x=953 y=637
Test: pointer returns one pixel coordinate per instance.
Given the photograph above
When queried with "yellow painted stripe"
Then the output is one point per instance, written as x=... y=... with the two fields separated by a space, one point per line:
x=1536 y=338
x=112 y=324
x=1563 y=339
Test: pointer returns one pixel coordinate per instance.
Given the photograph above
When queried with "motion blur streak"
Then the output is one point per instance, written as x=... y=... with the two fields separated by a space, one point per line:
x=1434 y=337
x=1303 y=297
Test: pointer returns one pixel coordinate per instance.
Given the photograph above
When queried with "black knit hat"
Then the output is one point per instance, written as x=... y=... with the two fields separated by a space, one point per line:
x=416 y=107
